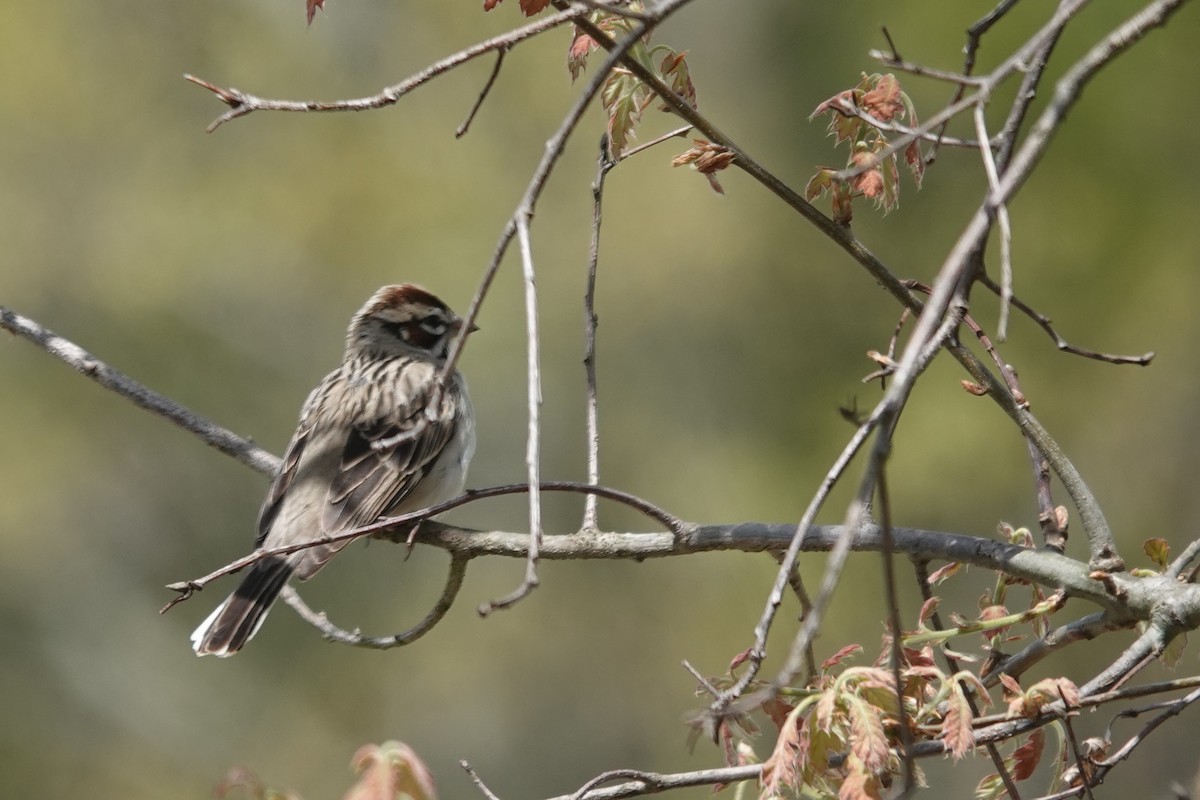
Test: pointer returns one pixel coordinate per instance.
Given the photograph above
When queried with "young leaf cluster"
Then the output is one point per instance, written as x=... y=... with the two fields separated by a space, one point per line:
x=859 y=117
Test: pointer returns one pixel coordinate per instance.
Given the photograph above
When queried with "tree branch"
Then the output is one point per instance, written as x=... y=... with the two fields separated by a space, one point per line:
x=88 y=365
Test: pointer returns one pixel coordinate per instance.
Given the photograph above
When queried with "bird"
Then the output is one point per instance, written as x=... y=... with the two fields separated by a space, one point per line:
x=368 y=445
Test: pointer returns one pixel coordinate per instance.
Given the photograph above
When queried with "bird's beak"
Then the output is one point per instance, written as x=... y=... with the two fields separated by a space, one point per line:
x=473 y=327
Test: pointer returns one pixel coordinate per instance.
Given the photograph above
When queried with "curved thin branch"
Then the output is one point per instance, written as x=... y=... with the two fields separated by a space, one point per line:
x=1062 y=344
x=318 y=619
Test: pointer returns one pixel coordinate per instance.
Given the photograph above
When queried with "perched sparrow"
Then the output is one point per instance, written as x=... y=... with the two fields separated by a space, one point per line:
x=332 y=479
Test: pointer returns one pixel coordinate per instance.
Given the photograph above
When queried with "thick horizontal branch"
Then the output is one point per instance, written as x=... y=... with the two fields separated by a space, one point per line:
x=1124 y=596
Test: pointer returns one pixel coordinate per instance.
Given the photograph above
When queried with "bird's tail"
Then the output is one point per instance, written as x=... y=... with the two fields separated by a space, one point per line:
x=235 y=621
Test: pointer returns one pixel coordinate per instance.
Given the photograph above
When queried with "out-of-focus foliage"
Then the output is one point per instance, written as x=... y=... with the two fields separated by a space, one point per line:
x=221 y=269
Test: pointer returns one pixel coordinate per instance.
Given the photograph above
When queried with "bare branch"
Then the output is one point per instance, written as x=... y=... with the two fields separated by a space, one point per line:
x=454 y=581
x=533 y=444
x=1083 y=629
x=653 y=782
x=1062 y=344
x=243 y=103
x=483 y=93
x=479 y=784
x=83 y=362
x=590 y=321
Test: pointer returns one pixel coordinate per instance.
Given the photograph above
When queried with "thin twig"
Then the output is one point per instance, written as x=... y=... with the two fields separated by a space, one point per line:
x=895 y=629
x=88 y=365
x=974 y=38
x=1062 y=344
x=1172 y=709
x=700 y=679
x=796 y=582
x=1180 y=564
x=1133 y=659
x=1083 y=629
x=590 y=321
x=1035 y=68
x=889 y=60
x=533 y=442
x=1001 y=211
x=917 y=133
x=1074 y=740
x=654 y=782
x=617 y=8
x=675 y=134
x=479 y=784
x=243 y=103
x=462 y=129
x=833 y=568
x=454 y=581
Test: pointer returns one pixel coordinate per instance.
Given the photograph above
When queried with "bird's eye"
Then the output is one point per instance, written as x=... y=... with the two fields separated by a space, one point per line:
x=435 y=326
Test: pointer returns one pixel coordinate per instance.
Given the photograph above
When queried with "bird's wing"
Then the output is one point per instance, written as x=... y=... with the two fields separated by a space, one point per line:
x=370 y=483
x=288 y=467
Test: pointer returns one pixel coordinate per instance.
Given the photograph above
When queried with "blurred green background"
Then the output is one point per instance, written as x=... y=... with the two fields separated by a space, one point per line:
x=221 y=270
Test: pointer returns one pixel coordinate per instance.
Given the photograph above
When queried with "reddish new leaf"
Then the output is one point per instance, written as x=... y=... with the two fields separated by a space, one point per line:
x=706 y=158
x=1029 y=704
x=1025 y=758
x=739 y=659
x=390 y=771
x=673 y=69
x=241 y=778
x=944 y=573
x=883 y=101
x=778 y=711
x=311 y=8
x=869 y=182
x=577 y=54
x=956 y=732
x=867 y=739
x=840 y=656
x=859 y=783
x=531 y=7
x=782 y=768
